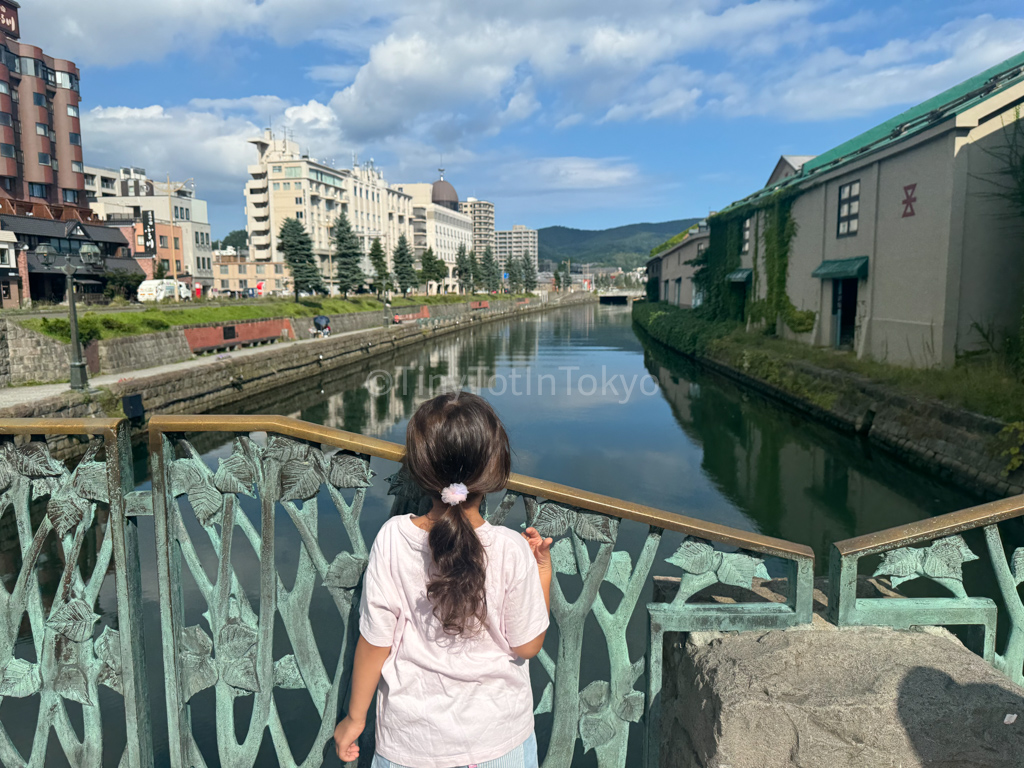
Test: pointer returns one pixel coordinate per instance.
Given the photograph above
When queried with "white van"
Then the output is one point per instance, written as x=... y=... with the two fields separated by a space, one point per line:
x=158 y=290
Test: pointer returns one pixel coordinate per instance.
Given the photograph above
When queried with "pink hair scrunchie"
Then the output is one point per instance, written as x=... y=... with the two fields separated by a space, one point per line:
x=456 y=493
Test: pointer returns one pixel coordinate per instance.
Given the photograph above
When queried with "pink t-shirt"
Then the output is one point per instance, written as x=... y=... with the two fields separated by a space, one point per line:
x=446 y=700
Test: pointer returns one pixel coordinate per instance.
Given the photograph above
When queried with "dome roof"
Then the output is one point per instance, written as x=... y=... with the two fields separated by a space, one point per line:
x=444 y=194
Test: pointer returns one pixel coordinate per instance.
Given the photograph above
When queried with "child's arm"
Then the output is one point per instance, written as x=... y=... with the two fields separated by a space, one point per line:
x=541 y=549
x=369 y=660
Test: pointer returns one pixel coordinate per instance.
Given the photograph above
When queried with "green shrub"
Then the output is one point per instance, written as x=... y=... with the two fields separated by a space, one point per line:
x=689 y=331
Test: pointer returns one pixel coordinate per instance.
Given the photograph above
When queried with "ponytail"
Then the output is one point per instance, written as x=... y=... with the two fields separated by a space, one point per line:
x=457 y=591
x=457 y=439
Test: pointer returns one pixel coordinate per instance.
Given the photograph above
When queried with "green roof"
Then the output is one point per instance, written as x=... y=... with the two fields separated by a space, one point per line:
x=927 y=114
x=840 y=269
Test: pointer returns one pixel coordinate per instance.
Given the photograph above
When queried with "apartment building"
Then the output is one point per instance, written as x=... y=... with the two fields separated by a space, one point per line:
x=515 y=242
x=440 y=225
x=289 y=184
x=41 y=172
x=122 y=196
x=482 y=213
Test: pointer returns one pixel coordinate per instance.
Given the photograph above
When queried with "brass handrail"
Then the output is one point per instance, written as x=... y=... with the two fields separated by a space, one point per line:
x=932 y=528
x=565 y=494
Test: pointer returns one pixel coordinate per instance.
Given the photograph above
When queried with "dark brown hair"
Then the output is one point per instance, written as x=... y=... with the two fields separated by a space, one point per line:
x=457 y=438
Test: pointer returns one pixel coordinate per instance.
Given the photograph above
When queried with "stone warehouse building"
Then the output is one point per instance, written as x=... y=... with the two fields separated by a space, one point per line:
x=902 y=250
x=672 y=270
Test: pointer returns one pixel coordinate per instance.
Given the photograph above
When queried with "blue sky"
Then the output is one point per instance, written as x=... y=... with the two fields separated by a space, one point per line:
x=585 y=113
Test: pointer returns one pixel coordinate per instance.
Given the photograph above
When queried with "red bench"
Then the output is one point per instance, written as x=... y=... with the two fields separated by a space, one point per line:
x=479 y=305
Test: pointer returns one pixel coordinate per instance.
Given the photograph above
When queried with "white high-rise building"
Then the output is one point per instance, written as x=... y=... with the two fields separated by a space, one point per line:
x=438 y=224
x=516 y=242
x=483 y=223
x=287 y=184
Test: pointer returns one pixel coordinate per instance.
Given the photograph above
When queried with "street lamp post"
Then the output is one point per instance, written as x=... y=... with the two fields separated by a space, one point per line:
x=90 y=255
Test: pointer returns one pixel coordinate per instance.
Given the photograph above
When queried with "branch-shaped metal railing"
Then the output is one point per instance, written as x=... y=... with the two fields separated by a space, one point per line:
x=69 y=656
x=941 y=562
x=207 y=514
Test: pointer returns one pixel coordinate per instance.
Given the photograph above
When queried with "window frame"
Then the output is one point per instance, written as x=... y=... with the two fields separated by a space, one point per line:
x=851 y=200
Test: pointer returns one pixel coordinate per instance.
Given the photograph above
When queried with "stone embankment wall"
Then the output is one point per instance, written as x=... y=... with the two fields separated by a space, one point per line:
x=223 y=382
x=132 y=353
x=951 y=443
x=32 y=357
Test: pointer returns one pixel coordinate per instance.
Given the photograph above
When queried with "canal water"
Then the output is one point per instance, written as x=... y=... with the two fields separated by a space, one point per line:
x=587 y=403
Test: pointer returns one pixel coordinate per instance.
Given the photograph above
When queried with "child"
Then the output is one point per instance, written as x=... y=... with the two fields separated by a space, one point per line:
x=452 y=608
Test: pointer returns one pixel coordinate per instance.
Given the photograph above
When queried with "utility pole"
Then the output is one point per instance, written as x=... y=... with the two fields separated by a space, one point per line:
x=170 y=217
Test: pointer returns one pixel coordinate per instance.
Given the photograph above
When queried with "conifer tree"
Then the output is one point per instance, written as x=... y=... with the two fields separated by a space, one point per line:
x=348 y=255
x=379 y=262
x=465 y=269
x=515 y=274
x=433 y=269
x=474 y=272
x=490 y=276
x=405 y=269
x=529 y=273
x=297 y=248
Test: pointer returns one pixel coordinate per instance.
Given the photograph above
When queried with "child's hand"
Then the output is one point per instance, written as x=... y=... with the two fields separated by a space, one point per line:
x=345 y=735
x=540 y=547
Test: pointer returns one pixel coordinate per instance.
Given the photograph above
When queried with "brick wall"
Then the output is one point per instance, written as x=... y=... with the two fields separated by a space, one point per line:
x=26 y=294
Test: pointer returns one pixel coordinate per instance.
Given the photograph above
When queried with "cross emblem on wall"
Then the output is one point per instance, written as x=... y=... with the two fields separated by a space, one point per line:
x=909 y=198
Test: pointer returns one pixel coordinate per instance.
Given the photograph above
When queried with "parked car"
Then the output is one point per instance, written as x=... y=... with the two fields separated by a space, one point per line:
x=158 y=290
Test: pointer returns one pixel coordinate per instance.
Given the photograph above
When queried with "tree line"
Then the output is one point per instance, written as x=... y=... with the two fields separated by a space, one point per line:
x=471 y=273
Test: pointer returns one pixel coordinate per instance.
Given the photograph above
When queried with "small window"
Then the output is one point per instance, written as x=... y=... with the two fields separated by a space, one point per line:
x=188 y=214
x=197 y=238
x=44 y=159
x=276 y=169
x=299 y=215
x=259 y=269
x=177 y=212
x=72 y=110
x=42 y=129
x=277 y=186
x=224 y=269
x=71 y=196
x=298 y=185
x=243 y=284
x=7 y=150
x=849 y=209
x=177 y=244
x=288 y=185
x=6 y=118
x=77 y=167
x=75 y=139
x=164 y=262
x=279 y=269
x=5 y=87
x=177 y=265
x=163 y=241
x=242 y=269
x=38 y=190
x=298 y=201
x=225 y=284
x=39 y=99
x=140 y=241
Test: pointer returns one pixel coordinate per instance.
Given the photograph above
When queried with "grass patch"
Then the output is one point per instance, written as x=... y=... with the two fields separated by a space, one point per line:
x=983 y=384
x=115 y=325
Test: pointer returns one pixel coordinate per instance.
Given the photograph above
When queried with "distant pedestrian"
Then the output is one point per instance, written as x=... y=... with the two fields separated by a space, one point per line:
x=452 y=608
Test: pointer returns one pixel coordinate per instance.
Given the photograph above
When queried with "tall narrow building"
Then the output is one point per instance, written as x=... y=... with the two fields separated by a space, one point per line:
x=482 y=213
x=41 y=171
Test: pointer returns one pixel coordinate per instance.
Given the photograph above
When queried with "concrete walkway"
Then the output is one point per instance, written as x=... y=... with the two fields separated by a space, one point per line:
x=14 y=396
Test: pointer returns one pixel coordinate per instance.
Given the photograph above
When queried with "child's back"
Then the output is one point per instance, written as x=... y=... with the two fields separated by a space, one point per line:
x=452 y=608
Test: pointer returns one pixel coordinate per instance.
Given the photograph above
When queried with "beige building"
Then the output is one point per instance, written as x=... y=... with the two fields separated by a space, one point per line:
x=287 y=184
x=123 y=195
x=483 y=223
x=438 y=224
x=902 y=250
x=515 y=242
x=237 y=276
x=672 y=272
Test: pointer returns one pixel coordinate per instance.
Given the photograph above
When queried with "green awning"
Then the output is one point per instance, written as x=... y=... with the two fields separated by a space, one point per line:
x=740 y=276
x=841 y=269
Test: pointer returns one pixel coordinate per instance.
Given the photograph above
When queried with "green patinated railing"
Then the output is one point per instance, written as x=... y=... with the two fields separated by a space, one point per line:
x=942 y=562
x=300 y=472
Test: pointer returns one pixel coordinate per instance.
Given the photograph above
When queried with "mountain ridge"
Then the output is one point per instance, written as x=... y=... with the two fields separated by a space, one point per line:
x=626 y=246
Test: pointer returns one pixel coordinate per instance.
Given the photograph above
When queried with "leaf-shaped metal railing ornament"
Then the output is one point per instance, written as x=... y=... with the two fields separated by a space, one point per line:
x=942 y=562
x=704 y=566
